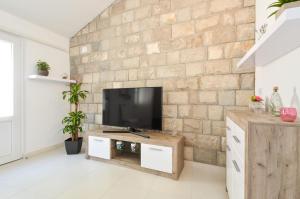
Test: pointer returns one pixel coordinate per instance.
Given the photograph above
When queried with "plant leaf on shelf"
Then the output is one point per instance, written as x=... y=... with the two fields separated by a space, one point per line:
x=278 y=4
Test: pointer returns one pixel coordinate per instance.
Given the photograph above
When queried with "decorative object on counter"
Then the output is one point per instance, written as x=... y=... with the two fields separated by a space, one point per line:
x=295 y=101
x=256 y=104
x=120 y=146
x=283 y=5
x=261 y=31
x=275 y=102
x=288 y=114
x=134 y=147
x=64 y=76
x=42 y=68
x=74 y=121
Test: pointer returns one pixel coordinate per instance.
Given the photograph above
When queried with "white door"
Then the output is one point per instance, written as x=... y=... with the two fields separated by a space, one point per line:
x=10 y=98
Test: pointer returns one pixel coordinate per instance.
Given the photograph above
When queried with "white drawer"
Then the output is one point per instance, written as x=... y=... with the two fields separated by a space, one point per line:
x=99 y=147
x=235 y=160
x=229 y=139
x=236 y=138
x=229 y=171
x=238 y=178
x=156 y=157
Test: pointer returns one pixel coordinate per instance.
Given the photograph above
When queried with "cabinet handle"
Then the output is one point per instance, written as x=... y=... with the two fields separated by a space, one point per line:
x=228 y=148
x=236 y=166
x=155 y=149
x=98 y=140
x=228 y=128
x=236 y=139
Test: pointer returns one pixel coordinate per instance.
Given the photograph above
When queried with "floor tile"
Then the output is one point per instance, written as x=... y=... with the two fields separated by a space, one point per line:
x=55 y=175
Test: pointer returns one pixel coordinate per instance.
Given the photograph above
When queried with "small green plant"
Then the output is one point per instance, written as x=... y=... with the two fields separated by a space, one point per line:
x=279 y=4
x=73 y=122
x=42 y=65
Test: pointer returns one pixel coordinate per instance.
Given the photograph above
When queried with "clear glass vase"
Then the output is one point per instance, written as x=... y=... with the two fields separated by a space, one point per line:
x=257 y=107
x=275 y=102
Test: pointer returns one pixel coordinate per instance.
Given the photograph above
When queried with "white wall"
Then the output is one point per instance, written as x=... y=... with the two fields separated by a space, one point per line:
x=43 y=107
x=43 y=104
x=283 y=72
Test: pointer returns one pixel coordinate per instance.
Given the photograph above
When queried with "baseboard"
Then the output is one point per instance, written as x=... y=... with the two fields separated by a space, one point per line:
x=43 y=150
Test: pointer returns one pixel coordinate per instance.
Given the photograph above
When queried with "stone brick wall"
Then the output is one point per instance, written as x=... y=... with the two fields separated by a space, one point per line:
x=190 y=47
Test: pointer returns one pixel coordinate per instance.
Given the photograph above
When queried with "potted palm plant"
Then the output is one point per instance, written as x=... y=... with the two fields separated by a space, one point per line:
x=283 y=5
x=74 y=120
x=42 y=68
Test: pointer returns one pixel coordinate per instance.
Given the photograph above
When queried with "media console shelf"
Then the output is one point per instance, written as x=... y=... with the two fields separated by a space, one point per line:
x=161 y=154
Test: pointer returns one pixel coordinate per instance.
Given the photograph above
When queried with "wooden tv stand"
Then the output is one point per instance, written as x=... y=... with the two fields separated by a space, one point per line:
x=161 y=154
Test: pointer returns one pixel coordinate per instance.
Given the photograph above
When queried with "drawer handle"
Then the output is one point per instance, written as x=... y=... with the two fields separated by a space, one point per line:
x=228 y=128
x=236 y=166
x=155 y=149
x=228 y=148
x=236 y=139
x=98 y=140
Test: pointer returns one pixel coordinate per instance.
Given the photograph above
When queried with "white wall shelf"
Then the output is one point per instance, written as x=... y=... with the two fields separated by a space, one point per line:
x=281 y=38
x=46 y=78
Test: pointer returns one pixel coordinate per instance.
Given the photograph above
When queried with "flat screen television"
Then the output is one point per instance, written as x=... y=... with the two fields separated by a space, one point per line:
x=136 y=108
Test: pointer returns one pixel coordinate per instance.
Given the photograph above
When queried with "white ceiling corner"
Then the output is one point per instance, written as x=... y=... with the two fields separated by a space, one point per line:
x=64 y=17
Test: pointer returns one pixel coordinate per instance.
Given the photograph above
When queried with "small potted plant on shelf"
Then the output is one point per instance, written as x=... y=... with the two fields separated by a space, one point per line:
x=283 y=5
x=43 y=68
x=74 y=120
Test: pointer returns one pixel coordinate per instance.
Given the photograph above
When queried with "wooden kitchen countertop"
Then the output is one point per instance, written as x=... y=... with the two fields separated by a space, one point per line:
x=242 y=118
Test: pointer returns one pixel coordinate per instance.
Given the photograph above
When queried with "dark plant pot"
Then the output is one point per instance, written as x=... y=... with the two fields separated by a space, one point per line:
x=43 y=72
x=73 y=147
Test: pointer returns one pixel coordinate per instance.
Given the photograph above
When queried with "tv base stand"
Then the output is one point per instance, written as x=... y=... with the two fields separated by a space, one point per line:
x=160 y=154
x=130 y=130
x=140 y=134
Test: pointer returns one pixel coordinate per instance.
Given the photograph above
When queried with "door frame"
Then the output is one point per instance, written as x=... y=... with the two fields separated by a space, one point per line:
x=18 y=43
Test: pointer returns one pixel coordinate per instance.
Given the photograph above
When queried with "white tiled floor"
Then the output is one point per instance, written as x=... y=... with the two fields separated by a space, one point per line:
x=56 y=175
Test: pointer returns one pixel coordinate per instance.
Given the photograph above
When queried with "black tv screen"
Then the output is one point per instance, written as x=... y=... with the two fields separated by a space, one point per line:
x=133 y=107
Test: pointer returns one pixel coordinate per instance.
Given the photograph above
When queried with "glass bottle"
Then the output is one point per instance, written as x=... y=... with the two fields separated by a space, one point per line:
x=295 y=102
x=275 y=102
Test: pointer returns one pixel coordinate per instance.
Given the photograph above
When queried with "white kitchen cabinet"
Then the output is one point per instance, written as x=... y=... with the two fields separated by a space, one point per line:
x=235 y=170
x=263 y=160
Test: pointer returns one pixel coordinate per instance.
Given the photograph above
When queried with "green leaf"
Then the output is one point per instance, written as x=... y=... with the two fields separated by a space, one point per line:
x=273 y=13
x=75 y=94
x=278 y=4
x=42 y=65
x=275 y=6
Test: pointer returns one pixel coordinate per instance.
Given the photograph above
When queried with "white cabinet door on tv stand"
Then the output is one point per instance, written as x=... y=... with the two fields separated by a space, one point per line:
x=99 y=147
x=156 y=157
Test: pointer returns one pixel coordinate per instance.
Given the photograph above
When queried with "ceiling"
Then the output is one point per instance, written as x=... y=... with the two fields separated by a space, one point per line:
x=64 y=17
